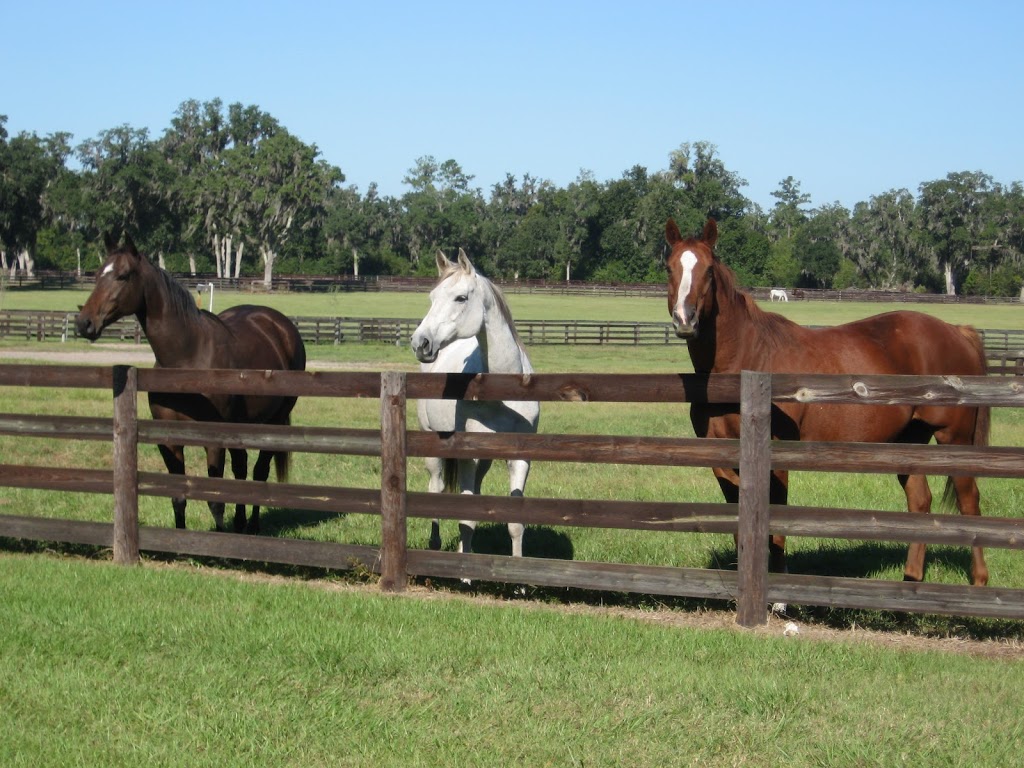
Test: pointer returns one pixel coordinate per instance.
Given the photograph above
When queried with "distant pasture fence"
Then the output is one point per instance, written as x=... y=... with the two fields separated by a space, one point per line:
x=44 y=279
x=752 y=519
x=1004 y=348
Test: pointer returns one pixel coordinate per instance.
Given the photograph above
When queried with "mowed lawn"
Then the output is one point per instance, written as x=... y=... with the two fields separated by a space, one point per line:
x=219 y=664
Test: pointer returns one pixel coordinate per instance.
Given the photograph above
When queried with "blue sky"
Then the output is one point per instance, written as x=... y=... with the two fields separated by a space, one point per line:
x=850 y=98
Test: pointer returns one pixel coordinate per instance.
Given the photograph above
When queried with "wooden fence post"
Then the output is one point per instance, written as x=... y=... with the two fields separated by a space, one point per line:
x=755 y=474
x=394 y=556
x=126 y=465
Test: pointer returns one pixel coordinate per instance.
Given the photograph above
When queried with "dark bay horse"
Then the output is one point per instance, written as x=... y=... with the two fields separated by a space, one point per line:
x=183 y=336
x=727 y=332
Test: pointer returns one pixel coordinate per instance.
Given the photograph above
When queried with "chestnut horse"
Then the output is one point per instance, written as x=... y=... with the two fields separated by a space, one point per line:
x=183 y=336
x=727 y=332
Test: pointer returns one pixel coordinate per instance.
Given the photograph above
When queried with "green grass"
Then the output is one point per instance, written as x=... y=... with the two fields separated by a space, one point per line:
x=536 y=306
x=551 y=480
x=110 y=666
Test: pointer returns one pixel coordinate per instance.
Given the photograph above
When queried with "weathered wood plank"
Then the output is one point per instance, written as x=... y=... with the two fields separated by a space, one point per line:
x=690 y=517
x=126 y=466
x=393 y=481
x=755 y=473
x=869 y=594
x=890 y=458
x=898 y=390
x=356 y=442
x=654 y=580
x=604 y=449
x=56 y=427
x=52 y=529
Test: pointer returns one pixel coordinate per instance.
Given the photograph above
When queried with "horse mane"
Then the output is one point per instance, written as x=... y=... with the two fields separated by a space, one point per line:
x=774 y=328
x=178 y=295
x=499 y=300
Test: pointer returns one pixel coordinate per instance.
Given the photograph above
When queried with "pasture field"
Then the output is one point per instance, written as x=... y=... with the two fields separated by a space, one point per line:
x=215 y=663
x=537 y=306
x=547 y=479
x=112 y=666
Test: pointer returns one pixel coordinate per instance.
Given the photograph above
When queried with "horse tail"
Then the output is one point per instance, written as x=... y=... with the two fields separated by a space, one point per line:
x=450 y=475
x=282 y=459
x=281 y=463
x=983 y=413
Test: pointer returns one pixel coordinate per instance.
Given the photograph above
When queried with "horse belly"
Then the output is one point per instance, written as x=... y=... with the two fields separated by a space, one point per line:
x=854 y=423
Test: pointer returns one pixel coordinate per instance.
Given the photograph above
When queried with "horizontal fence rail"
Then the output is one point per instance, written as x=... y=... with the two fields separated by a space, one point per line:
x=1004 y=348
x=752 y=519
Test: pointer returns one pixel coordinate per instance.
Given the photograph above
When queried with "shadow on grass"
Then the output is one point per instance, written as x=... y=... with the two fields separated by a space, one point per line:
x=864 y=560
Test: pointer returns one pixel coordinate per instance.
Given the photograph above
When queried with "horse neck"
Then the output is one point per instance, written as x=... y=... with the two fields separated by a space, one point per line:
x=498 y=342
x=173 y=337
x=730 y=340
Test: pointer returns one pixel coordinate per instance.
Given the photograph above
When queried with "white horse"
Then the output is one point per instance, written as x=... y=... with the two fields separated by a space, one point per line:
x=778 y=293
x=469 y=330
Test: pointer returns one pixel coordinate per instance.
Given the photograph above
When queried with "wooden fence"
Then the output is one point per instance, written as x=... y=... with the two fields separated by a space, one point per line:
x=751 y=586
x=1004 y=348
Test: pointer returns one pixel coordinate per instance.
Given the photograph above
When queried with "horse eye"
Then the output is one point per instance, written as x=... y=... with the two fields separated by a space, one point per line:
x=462 y=299
x=123 y=277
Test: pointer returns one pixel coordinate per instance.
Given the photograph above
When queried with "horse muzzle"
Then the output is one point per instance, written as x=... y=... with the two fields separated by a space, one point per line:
x=424 y=348
x=87 y=327
x=685 y=329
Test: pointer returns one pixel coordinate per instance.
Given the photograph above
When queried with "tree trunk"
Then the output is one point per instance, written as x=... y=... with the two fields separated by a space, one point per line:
x=26 y=262
x=238 y=259
x=78 y=255
x=216 y=254
x=192 y=264
x=269 y=257
x=355 y=262
x=950 y=288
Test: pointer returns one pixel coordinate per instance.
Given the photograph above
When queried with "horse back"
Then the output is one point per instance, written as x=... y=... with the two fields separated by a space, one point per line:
x=263 y=338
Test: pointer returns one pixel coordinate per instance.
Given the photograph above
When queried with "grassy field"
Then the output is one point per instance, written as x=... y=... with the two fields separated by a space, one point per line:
x=212 y=663
x=557 y=480
x=109 y=666
x=537 y=306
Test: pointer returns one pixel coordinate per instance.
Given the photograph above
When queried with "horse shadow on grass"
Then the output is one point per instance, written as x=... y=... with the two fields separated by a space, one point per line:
x=538 y=541
x=866 y=559
x=278 y=520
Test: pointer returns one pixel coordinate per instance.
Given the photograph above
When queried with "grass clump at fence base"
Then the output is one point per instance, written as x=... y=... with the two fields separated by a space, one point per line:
x=111 y=666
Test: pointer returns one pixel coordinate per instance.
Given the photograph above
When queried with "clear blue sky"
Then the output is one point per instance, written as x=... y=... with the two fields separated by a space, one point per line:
x=850 y=98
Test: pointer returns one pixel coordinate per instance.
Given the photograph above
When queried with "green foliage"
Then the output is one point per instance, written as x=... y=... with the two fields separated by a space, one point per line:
x=228 y=189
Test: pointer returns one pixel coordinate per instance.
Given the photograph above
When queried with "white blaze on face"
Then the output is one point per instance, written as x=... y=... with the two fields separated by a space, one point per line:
x=107 y=270
x=687 y=260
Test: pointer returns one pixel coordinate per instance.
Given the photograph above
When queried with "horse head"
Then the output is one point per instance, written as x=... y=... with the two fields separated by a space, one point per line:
x=456 y=308
x=690 y=277
x=118 y=291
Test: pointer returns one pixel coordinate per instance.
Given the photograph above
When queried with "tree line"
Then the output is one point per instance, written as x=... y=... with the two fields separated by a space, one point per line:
x=228 y=190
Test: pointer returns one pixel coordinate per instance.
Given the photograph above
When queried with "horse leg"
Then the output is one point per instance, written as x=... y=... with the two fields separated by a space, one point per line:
x=518 y=471
x=435 y=484
x=919 y=499
x=174 y=460
x=260 y=473
x=215 y=469
x=778 y=493
x=471 y=477
x=967 y=498
x=239 y=470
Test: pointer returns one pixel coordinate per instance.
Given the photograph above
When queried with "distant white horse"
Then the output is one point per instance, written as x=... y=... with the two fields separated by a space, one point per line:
x=778 y=293
x=469 y=330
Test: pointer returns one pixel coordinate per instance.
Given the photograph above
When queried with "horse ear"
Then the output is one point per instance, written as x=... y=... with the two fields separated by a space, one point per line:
x=443 y=264
x=465 y=263
x=710 y=235
x=672 y=233
x=130 y=245
x=109 y=242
